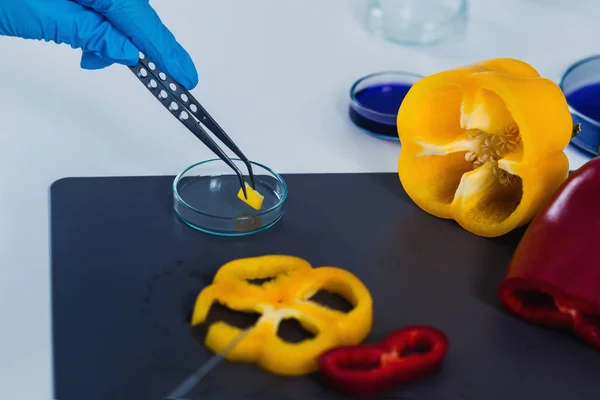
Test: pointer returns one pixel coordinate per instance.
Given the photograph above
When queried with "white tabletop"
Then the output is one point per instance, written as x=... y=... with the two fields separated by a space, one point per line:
x=274 y=73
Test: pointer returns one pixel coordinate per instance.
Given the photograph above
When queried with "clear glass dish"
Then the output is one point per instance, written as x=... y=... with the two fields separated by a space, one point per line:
x=205 y=198
x=581 y=85
x=375 y=100
x=417 y=22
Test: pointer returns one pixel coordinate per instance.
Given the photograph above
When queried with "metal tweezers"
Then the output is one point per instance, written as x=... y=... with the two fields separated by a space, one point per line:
x=190 y=113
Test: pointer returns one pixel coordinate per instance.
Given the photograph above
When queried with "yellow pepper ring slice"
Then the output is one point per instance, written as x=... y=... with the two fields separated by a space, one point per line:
x=261 y=267
x=286 y=296
x=483 y=144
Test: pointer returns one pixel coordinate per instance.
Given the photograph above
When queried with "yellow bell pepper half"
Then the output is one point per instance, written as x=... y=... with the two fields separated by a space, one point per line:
x=483 y=144
x=286 y=295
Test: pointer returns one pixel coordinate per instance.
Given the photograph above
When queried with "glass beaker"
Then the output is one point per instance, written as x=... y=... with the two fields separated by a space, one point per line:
x=416 y=22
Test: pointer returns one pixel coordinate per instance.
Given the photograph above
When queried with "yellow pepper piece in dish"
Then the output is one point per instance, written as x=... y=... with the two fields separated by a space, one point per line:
x=286 y=295
x=254 y=199
x=483 y=144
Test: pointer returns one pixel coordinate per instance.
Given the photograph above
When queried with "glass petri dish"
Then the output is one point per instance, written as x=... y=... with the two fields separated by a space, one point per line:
x=417 y=22
x=375 y=100
x=581 y=85
x=205 y=198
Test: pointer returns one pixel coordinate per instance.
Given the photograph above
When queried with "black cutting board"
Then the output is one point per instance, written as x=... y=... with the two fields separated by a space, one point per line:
x=125 y=272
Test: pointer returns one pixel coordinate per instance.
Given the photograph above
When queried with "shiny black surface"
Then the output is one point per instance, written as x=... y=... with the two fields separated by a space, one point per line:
x=125 y=272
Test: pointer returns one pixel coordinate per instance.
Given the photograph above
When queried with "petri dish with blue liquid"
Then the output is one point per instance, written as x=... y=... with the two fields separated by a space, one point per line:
x=375 y=100
x=581 y=85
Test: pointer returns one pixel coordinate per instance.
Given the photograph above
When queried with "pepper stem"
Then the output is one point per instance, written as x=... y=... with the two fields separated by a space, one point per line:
x=576 y=130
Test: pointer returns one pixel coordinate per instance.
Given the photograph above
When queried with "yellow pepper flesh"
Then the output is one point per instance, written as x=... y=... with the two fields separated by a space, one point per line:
x=483 y=144
x=254 y=200
x=285 y=296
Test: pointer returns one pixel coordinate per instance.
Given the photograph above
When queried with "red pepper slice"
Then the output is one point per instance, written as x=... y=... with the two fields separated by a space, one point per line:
x=554 y=276
x=405 y=355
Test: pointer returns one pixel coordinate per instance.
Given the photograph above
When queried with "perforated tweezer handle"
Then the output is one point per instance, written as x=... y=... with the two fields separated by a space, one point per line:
x=189 y=112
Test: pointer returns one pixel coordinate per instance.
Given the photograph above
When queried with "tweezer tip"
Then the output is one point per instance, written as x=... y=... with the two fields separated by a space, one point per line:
x=250 y=173
x=243 y=186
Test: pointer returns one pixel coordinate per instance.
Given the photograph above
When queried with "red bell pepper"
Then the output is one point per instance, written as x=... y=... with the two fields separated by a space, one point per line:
x=403 y=356
x=553 y=278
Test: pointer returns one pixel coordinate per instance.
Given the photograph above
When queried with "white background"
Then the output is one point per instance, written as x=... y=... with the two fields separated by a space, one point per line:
x=274 y=73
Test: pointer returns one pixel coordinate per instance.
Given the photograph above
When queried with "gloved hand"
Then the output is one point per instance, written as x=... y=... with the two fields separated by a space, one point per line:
x=107 y=31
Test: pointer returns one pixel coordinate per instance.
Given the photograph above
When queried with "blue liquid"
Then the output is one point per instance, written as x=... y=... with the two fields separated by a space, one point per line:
x=586 y=101
x=384 y=99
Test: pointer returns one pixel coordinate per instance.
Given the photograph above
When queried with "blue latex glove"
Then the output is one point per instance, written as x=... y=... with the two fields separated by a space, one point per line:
x=107 y=31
